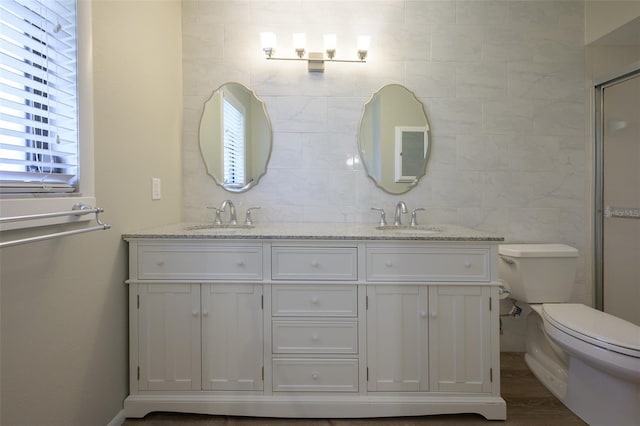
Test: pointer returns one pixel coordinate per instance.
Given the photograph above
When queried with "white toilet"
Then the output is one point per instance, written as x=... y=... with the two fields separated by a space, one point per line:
x=588 y=359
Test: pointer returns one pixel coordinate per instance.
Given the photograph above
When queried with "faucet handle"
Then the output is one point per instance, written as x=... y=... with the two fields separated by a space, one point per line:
x=414 y=220
x=383 y=216
x=247 y=219
x=218 y=219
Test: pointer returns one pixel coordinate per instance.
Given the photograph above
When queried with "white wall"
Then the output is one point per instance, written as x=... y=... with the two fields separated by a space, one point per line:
x=64 y=302
x=502 y=82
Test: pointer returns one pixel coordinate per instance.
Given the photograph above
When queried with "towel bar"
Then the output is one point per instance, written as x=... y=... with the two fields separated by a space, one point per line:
x=78 y=210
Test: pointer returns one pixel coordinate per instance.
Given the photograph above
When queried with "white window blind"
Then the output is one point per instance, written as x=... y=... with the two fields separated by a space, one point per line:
x=38 y=96
x=233 y=115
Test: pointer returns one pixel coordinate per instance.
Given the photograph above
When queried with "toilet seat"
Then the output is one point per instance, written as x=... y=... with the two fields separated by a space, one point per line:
x=594 y=327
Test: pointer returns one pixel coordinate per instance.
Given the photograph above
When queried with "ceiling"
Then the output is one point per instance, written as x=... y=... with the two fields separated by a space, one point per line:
x=626 y=35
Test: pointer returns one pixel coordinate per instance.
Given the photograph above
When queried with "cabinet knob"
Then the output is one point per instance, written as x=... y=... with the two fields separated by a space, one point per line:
x=467 y=264
x=315 y=337
x=315 y=300
x=315 y=263
x=388 y=264
x=240 y=263
x=205 y=313
x=315 y=375
x=160 y=263
x=194 y=313
x=423 y=314
x=434 y=314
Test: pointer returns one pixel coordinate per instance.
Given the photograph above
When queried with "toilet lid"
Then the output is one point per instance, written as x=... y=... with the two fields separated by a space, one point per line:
x=596 y=327
x=537 y=250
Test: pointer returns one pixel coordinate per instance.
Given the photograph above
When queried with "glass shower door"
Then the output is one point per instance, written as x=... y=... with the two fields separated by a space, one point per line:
x=620 y=198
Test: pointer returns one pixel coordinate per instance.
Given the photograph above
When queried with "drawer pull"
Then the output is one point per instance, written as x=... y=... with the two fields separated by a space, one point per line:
x=315 y=338
x=315 y=300
x=315 y=375
x=467 y=264
x=315 y=263
x=240 y=263
x=160 y=263
x=194 y=313
x=388 y=264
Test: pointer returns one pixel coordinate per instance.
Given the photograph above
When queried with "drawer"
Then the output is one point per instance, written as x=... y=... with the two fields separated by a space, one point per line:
x=314 y=300
x=315 y=375
x=317 y=263
x=427 y=264
x=199 y=262
x=320 y=337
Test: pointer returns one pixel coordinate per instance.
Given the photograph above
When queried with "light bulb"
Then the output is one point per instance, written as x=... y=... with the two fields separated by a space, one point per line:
x=363 y=47
x=363 y=43
x=299 y=43
x=268 y=43
x=330 y=45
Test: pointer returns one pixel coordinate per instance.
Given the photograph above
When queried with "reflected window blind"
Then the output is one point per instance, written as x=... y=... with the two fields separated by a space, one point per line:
x=234 y=141
x=38 y=96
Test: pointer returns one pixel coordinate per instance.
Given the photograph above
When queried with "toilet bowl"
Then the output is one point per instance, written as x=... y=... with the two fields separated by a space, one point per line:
x=588 y=359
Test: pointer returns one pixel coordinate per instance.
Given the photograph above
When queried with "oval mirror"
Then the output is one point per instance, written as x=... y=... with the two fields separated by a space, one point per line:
x=235 y=137
x=394 y=139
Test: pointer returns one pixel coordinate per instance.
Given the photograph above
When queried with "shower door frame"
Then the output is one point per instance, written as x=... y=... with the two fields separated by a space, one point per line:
x=627 y=73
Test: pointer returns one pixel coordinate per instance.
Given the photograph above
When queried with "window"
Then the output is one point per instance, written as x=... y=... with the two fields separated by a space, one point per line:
x=233 y=118
x=44 y=51
x=38 y=121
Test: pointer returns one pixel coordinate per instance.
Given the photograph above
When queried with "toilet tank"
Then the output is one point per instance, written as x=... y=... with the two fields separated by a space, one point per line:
x=538 y=273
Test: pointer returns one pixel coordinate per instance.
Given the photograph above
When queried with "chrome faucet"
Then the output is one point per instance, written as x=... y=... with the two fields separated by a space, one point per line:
x=401 y=208
x=233 y=220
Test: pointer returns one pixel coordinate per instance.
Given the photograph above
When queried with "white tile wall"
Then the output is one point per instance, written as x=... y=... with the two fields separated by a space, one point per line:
x=502 y=83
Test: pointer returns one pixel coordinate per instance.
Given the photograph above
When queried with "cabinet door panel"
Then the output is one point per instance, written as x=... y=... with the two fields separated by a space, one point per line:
x=169 y=336
x=232 y=342
x=397 y=338
x=459 y=338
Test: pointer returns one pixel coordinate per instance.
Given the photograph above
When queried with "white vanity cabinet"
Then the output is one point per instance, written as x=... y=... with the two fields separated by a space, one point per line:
x=433 y=336
x=195 y=337
x=195 y=324
x=309 y=327
x=314 y=318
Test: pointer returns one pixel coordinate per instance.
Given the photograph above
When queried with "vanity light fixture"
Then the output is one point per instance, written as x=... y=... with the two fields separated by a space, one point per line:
x=315 y=60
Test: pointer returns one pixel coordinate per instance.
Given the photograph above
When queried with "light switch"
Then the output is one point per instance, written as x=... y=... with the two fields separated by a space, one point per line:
x=156 y=191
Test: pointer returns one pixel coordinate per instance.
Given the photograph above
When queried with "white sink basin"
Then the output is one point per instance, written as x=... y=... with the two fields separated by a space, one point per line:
x=225 y=226
x=407 y=229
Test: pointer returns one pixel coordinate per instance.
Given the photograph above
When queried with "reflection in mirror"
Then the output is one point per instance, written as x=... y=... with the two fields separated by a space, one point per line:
x=394 y=139
x=235 y=137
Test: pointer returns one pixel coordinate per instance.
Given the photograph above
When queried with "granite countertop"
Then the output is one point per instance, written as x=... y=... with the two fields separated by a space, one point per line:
x=318 y=231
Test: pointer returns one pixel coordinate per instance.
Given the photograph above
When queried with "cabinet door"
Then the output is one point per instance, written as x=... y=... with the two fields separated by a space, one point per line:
x=397 y=344
x=232 y=337
x=459 y=338
x=169 y=337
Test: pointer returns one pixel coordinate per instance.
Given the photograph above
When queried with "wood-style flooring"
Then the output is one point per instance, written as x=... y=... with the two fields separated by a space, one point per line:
x=529 y=403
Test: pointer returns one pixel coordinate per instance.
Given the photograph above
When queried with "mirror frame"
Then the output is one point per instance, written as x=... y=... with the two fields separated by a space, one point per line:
x=427 y=126
x=269 y=140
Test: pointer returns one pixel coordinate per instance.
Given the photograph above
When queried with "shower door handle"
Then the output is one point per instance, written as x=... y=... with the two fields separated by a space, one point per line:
x=623 y=212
